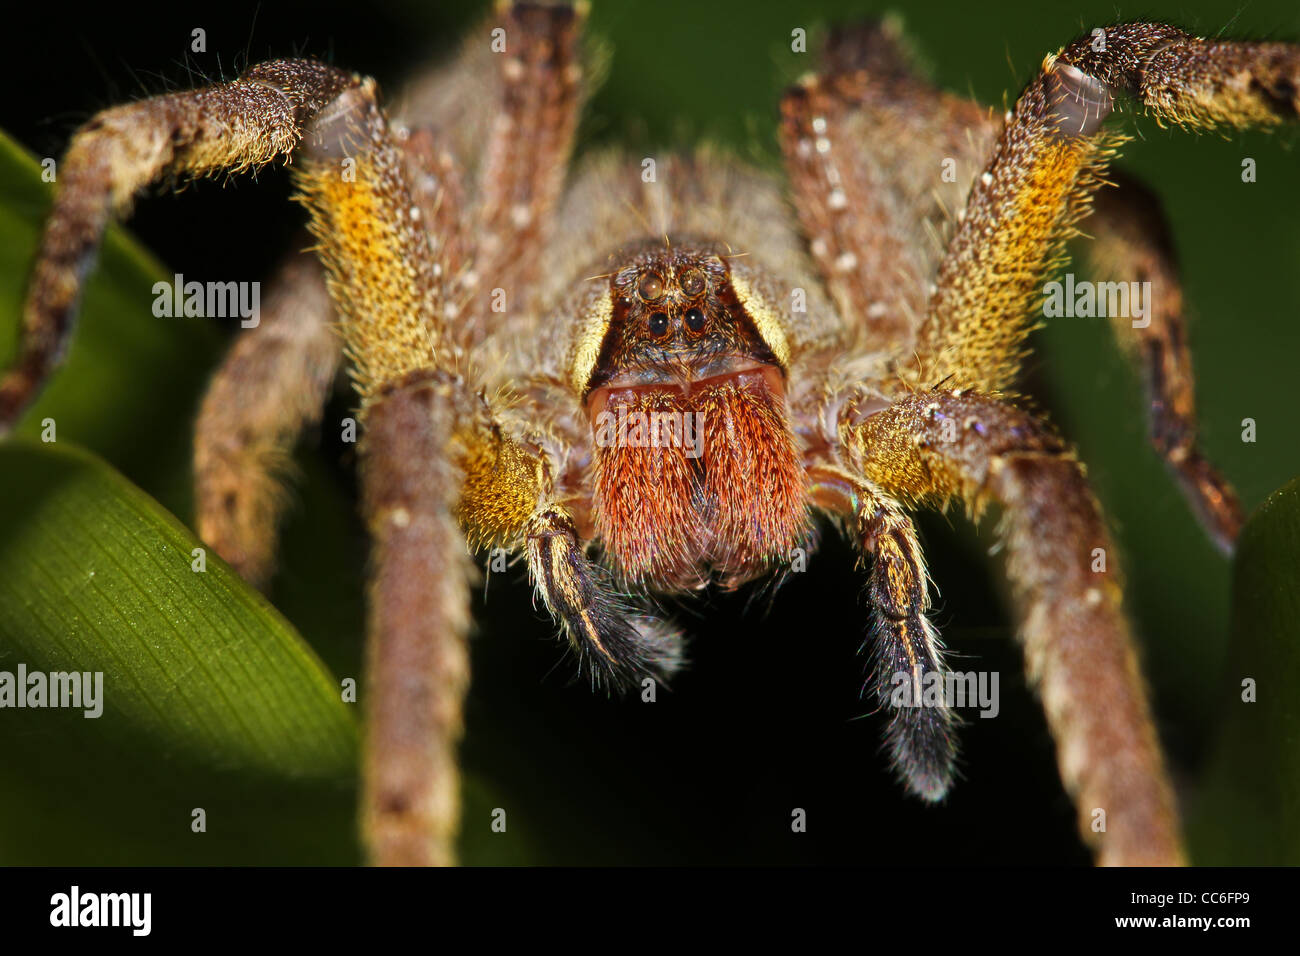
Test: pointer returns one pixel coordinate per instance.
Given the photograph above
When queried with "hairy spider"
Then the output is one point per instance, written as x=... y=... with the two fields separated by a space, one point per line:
x=646 y=378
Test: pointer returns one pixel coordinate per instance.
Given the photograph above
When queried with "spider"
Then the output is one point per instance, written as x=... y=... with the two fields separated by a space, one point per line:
x=646 y=379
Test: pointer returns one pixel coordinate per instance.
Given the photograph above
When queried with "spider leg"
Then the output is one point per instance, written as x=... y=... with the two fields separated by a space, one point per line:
x=933 y=446
x=1049 y=161
x=879 y=161
x=276 y=378
x=1131 y=242
x=420 y=472
x=417 y=657
x=906 y=653
x=271 y=385
x=387 y=290
x=420 y=416
x=525 y=155
x=616 y=643
x=223 y=128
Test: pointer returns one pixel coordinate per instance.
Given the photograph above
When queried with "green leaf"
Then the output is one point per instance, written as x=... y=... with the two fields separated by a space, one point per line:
x=128 y=389
x=210 y=698
x=1249 y=810
x=279 y=790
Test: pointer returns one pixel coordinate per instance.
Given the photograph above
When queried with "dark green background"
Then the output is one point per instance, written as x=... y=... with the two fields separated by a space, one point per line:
x=765 y=720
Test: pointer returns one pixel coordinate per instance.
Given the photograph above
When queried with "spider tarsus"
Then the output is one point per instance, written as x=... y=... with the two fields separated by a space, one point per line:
x=633 y=648
x=923 y=750
x=906 y=653
x=920 y=737
x=617 y=644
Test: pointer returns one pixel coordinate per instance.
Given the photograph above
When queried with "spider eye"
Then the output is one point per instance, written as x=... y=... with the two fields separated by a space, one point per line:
x=694 y=319
x=651 y=287
x=658 y=323
x=692 y=283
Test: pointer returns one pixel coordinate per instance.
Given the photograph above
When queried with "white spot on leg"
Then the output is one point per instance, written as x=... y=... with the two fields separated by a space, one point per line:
x=1081 y=102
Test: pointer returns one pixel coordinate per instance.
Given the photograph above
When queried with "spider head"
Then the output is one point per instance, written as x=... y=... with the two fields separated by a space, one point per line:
x=696 y=470
x=677 y=318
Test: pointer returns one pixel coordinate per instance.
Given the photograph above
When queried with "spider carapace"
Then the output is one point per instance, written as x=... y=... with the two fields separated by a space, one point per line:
x=751 y=352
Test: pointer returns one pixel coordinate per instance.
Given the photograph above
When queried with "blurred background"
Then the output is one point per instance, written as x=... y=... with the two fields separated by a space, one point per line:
x=769 y=717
